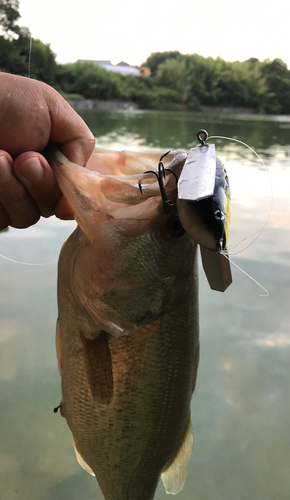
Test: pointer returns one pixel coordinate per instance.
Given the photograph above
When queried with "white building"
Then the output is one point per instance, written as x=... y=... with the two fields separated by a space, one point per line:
x=122 y=67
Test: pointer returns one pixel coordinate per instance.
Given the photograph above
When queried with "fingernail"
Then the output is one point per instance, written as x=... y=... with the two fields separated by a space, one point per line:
x=31 y=169
x=5 y=169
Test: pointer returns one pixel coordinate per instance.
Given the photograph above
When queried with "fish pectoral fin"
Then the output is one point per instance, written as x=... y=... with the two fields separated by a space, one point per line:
x=80 y=459
x=174 y=476
x=99 y=368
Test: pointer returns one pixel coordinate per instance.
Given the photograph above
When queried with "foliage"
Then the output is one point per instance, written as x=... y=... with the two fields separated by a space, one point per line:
x=68 y=96
x=89 y=80
x=42 y=64
x=9 y=14
x=277 y=78
x=145 y=93
x=15 y=58
x=157 y=58
x=173 y=75
x=94 y=82
x=15 y=47
x=177 y=80
x=10 y=58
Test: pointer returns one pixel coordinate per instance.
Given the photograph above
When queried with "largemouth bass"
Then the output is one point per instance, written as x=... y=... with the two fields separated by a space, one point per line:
x=128 y=327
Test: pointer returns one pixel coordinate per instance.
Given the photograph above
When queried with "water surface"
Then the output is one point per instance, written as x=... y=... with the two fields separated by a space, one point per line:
x=241 y=406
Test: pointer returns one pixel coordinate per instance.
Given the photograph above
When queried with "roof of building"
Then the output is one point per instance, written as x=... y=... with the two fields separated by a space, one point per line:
x=122 y=67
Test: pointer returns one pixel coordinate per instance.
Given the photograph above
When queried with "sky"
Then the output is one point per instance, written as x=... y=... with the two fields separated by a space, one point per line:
x=127 y=30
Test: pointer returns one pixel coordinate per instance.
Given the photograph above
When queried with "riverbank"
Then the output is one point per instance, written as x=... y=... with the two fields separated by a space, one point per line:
x=229 y=109
x=81 y=104
x=104 y=105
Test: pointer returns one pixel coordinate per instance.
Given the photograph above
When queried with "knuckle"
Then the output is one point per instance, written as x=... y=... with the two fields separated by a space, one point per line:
x=4 y=225
x=4 y=218
x=28 y=221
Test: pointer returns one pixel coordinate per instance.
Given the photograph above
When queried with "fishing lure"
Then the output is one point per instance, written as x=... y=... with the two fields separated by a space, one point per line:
x=203 y=208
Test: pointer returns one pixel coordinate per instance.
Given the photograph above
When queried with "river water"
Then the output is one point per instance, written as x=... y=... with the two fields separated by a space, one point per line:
x=241 y=406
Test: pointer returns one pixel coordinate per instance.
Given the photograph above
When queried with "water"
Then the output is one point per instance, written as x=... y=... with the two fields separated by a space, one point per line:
x=241 y=406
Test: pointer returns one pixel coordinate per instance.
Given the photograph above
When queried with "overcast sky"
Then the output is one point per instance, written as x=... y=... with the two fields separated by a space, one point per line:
x=130 y=30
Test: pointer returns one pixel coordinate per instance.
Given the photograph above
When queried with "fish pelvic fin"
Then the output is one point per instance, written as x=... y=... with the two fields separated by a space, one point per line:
x=174 y=476
x=99 y=368
x=80 y=459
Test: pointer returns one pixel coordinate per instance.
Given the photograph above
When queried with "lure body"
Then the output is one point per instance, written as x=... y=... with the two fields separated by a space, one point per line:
x=208 y=220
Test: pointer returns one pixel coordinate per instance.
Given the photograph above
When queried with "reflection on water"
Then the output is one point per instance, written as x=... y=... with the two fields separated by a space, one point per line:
x=241 y=406
x=177 y=130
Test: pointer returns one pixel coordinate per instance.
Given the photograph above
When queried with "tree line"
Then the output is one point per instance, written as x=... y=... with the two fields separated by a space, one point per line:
x=177 y=81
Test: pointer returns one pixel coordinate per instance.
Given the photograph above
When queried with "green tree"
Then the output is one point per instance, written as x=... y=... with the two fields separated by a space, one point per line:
x=277 y=77
x=42 y=61
x=89 y=80
x=173 y=75
x=9 y=15
x=15 y=58
x=202 y=83
x=156 y=58
x=240 y=84
x=215 y=82
x=10 y=59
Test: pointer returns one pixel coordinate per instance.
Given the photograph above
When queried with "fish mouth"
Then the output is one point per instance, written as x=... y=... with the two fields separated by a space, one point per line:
x=109 y=188
x=107 y=192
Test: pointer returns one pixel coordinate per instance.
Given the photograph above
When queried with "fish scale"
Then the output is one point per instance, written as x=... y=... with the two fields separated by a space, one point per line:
x=128 y=327
x=154 y=409
x=141 y=417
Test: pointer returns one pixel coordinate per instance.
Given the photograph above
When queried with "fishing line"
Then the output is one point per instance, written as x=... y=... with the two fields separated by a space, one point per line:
x=1 y=255
x=255 y=235
x=27 y=263
x=255 y=281
x=29 y=56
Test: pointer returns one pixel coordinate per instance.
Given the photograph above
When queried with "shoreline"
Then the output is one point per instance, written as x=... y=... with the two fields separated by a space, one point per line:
x=90 y=104
x=81 y=104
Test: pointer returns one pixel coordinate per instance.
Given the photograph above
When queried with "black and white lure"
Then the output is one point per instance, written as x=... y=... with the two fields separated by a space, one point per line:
x=203 y=208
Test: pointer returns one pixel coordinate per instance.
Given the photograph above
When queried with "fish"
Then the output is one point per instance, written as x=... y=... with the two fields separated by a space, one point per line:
x=127 y=336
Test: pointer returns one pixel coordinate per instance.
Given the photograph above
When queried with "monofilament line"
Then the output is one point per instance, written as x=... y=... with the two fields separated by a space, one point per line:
x=27 y=263
x=29 y=56
x=255 y=281
x=254 y=236
x=270 y=210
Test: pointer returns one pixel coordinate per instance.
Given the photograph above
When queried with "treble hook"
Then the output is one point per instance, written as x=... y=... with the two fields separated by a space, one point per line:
x=161 y=168
x=168 y=206
x=173 y=225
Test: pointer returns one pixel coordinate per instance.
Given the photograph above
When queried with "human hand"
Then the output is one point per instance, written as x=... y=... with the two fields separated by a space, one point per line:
x=31 y=115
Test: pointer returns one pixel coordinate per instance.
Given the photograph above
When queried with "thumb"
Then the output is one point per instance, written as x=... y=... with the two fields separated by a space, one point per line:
x=68 y=130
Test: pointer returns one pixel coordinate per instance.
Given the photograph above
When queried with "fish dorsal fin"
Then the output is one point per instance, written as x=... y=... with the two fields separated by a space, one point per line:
x=174 y=476
x=80 y=459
